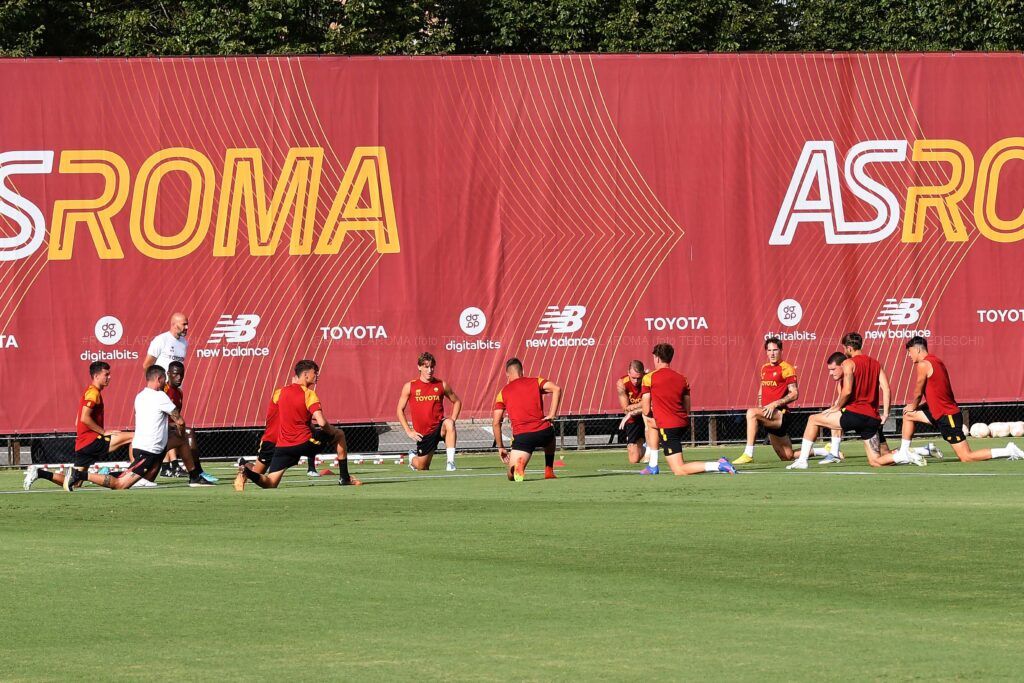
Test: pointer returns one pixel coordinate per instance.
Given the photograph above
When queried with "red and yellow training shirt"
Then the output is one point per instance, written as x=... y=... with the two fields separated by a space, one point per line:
x=938 y=392
x=775 y=381
x=295 y=407
x=865 y=386
x=667 y=389
x=426 y=404
x=523 y=400
x=175 y=394
x=84 y=436
x=633 y=394
x=270 y=433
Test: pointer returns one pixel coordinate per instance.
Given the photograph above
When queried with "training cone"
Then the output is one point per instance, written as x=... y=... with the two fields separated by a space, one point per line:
x=559 y=463
x=326 y=472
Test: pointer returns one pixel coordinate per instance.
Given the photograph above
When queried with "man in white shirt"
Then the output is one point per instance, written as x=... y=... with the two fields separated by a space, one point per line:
x=153 y=409
x=169 y=346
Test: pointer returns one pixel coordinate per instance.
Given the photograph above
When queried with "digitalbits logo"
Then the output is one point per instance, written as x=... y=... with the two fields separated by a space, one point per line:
x=108 y=330
x=472 y=321
x=790 y=312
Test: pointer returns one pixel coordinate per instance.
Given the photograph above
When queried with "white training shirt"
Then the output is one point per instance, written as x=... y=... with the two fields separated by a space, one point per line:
x=151 y=410
x=165 y=348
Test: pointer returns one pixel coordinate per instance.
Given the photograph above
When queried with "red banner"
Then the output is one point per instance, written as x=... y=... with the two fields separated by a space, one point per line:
x=569 y=210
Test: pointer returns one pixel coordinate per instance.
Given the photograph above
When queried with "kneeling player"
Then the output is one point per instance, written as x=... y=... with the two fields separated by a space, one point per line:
x=666 y=395
x=856 y=409
x=933 y=403
x=778 y=389
x=523 y=399
x=638 y=429
x=429 y=425
x=92 y=442
x=297 y=406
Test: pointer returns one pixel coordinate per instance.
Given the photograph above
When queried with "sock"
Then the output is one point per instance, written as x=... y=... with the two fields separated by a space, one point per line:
x=904 y=445
x=901 y=457
x=549 y=460
x=1001 y=452
x=311 y=463
x=805 y=449
x=653 y=453
x=836 y=444
x=194 y=474
x=921 y=450
x=450 y=452
x=343 y=470
x=748 y=450
x=250 y=475
x=711 y=466
x=46 y=474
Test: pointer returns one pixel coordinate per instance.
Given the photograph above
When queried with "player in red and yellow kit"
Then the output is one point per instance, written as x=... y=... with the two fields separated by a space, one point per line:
x=298 y=407
x=865 y=388
x=182 y=448
x=92 y=441
x=638 y=429
x=425 y=397
x=932 y=402
x=778 y=389
x=666 y=396
x=523 y=399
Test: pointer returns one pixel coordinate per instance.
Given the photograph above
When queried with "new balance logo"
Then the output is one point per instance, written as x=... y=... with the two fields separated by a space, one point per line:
x=234 y=330
x=562 y=320
x=900 y=312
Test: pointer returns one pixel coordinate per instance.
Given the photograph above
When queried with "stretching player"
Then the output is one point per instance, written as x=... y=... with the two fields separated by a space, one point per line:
x=666 y=395
x=856 y=409
x=297 y=407
x=153 y=410
x=777 y=390
x=523 y=399
x=932 y=402
x=429 y=425
x=183 y=445
x=92 y=442
x=637 y=428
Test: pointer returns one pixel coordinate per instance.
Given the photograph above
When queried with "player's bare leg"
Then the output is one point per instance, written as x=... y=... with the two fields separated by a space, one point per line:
x=634 y=452
x=783 y=446
x=264 y=481
x=653 y=445
x=828 y=419
x=518 y=460
x=421 y=462
x=451 y=437
x=681 y=468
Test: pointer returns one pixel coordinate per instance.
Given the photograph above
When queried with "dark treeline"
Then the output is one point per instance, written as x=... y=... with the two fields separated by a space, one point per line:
x=386 y=27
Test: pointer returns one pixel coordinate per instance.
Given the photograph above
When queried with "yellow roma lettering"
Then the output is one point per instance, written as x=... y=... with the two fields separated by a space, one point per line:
x=988 y=222
x=243 y=189
x=943 y=199
x=148 y=239
x=366 y=174
x=96 y=213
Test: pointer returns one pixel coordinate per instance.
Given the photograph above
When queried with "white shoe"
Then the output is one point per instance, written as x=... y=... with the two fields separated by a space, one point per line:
x=934 y=452
x=915 y=459
x=1016 y=453
x=31 y=474
x=412 y=454
x=646 y=459
x=312 y=473
x=144 y=484
x=450 y=466
x=797 y=464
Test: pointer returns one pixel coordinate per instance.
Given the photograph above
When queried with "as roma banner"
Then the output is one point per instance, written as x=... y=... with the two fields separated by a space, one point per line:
x=569 y=210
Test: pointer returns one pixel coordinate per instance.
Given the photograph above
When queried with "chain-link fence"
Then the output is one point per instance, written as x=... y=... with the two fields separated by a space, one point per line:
x=574 y=432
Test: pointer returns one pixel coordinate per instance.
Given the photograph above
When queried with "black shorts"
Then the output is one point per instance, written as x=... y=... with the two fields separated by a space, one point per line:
x=289 y=456
x=672 y=440
x=783 y=429
x=144 y=462
x=528 y=442
x=266 y=452
x=863 y=426
x=428 y=444
x=635 y=430
x=951 y=427
x=94 y=452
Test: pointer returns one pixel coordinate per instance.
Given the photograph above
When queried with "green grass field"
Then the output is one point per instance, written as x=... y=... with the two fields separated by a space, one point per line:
x=844 y=573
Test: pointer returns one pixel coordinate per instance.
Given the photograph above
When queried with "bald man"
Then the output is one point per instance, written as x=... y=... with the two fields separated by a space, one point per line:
x=169 y=346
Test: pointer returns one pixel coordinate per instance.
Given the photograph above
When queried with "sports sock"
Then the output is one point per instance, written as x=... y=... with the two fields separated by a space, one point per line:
x=1001 y=452
x=805 y=449
x=549 y=460
x=343 y=474
x=653 y=453
x=194 y=474
x=904 y=445
x=250 y=475
x=836 y=443
x=901 y=457
x=46 y=474
x=921 y=450
x=711 y=466
x=311 y=463
x=748 y=450
x=450 y=452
